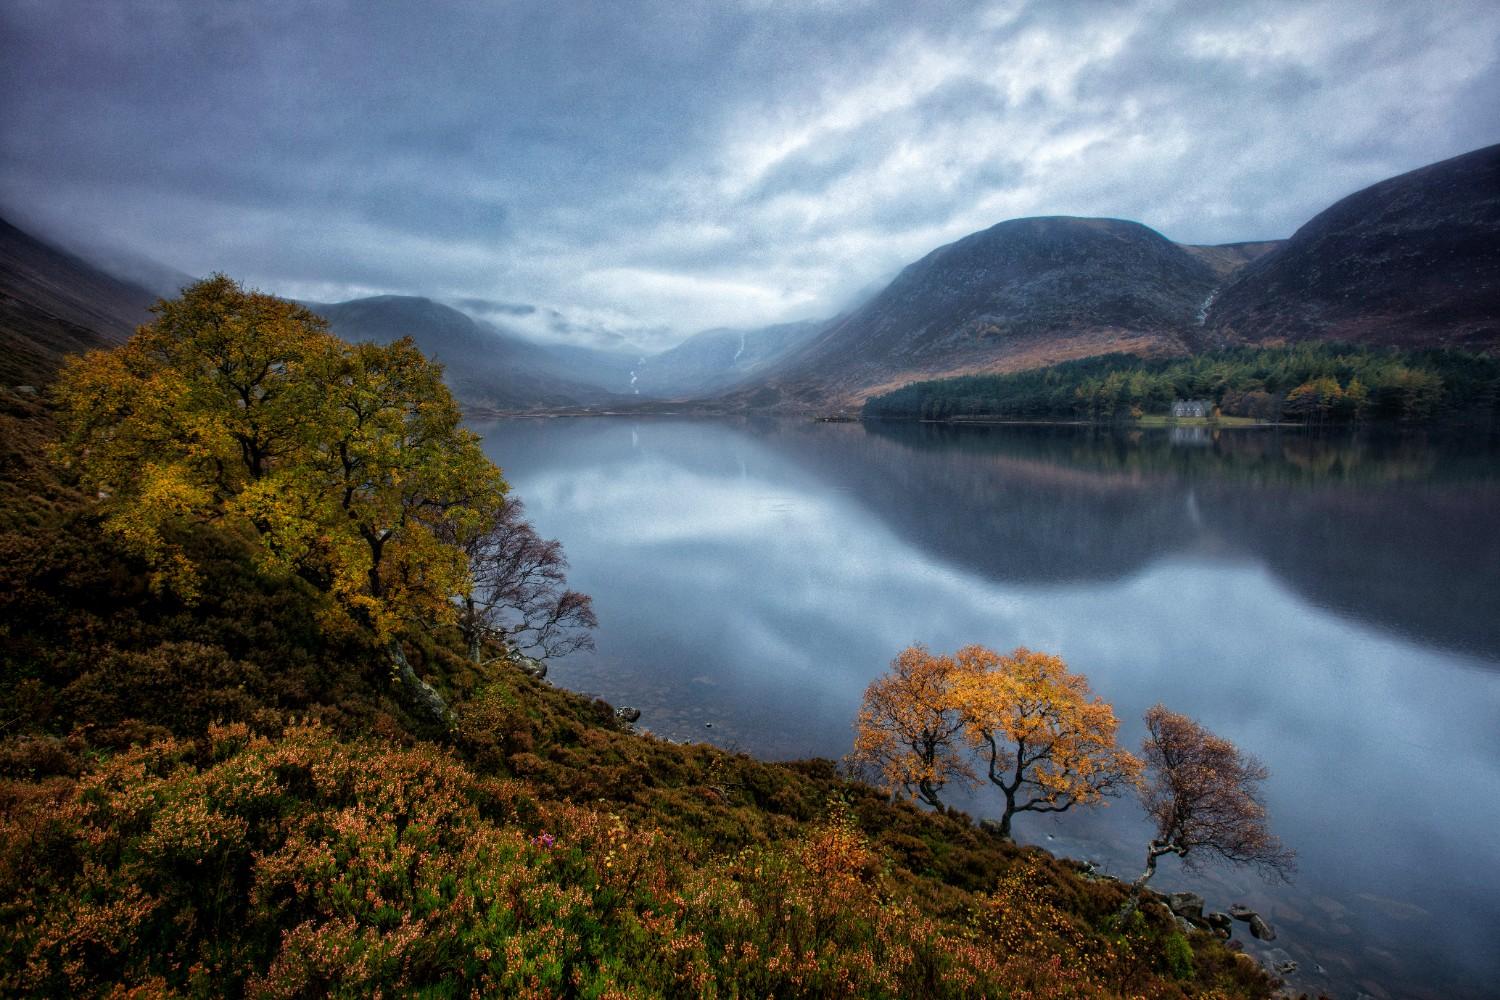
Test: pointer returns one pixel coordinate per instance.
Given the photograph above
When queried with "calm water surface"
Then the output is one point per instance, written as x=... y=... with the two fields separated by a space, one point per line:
x=1331 y=605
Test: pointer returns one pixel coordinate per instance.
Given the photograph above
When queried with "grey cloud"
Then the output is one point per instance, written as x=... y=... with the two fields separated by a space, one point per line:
x=496 y=308
x=646 y=169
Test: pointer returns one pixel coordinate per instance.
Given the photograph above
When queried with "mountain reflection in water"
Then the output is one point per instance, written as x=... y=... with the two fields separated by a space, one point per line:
x=1328 y=603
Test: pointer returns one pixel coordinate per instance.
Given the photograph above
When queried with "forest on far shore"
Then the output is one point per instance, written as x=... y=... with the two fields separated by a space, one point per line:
x=1315 y=383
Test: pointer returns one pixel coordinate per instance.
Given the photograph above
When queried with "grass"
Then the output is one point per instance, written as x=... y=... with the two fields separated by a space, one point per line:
x=1167 y=420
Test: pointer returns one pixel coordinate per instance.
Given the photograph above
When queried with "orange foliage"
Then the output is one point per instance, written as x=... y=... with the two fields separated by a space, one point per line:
x=906 y=736
x=1047 y=744
x=1045 y=741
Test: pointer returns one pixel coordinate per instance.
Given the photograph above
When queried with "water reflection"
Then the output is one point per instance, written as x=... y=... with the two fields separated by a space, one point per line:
x=1397 y=532
x=1327 y=603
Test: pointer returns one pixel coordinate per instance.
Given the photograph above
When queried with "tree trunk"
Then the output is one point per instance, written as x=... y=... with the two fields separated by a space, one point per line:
x=929 y=795
x=468 y=626
x=1155 y=850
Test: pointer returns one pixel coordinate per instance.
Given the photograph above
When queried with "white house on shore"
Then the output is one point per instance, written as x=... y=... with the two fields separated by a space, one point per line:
x=1192 y=408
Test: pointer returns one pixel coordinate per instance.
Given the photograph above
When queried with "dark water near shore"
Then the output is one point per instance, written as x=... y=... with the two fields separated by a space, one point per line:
x=1332 y=605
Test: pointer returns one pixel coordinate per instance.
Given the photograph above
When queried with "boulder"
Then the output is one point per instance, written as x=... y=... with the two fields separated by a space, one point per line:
x=1240 y=911
x=1221 y=923
x=1188 y=905
x=627 y=714
x=1260 y=929
x=532 y=668
x=423 y=697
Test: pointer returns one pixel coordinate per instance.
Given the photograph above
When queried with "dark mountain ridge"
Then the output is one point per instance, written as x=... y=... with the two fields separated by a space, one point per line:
x=1413 y=261
x=53 y=303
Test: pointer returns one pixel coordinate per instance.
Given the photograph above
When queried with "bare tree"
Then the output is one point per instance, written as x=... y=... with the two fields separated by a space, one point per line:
x=519 y=600
x=1203 y=796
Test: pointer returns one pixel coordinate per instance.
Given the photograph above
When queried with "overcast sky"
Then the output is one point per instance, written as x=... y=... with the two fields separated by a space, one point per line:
x=657 y=168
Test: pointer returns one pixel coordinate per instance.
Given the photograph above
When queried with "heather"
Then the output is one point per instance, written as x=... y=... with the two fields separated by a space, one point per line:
x=221 y=779
x=230 y=798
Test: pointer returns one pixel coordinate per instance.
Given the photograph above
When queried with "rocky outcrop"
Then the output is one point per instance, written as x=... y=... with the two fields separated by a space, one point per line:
x=1187 y=905
x=423 y=697
x=530 y=667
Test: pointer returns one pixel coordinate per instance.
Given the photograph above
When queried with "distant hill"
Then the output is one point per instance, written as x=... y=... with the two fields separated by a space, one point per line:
x=486 y=366
x=1020 y=294
x=53 y=303
x=718 y=359
x=1413 y=261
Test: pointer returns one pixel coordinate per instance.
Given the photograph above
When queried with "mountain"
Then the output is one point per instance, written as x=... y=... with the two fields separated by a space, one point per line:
x=53 y=303
x=1020 y=294
x=610 y=370
x=486 y=366
x=718 y=359
x=1413 y=261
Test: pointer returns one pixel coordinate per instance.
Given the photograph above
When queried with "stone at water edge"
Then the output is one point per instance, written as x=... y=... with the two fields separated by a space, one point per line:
x=1188 y=905
x=627 y=714
x=1260 y=929
x=1240 y=911
x=1221 y=924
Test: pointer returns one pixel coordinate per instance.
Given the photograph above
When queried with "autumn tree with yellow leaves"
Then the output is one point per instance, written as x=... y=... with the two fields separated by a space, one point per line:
x=1045 y=741
x=348 y=464
x=907 y=734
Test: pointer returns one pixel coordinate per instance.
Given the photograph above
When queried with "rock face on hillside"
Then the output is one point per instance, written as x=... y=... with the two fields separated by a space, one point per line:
x=1413 y=261
x=1020 y=294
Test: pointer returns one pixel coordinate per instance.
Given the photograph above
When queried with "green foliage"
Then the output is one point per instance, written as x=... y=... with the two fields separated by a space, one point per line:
x=85 y=642
x=348 y=463
x=1311 y=382
x=1179 y=956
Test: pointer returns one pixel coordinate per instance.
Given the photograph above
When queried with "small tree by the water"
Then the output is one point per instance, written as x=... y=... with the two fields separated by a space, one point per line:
x=519 y=599
x=1203 y=797
x=1044 y=741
